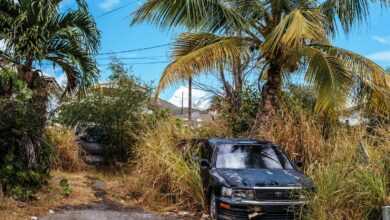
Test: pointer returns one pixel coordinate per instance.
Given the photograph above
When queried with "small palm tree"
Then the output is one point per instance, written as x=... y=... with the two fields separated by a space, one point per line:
x=285 y=36
x=35 y=32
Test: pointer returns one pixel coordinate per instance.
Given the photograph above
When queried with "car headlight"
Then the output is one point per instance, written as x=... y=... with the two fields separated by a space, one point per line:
x=243 y=194
x=226 y=192
x=238 y=193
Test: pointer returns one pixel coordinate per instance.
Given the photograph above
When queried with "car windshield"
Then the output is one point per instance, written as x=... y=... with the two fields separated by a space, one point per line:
x=251 y=157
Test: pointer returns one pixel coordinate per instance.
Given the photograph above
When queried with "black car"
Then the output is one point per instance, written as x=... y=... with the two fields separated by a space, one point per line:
x=251 y=179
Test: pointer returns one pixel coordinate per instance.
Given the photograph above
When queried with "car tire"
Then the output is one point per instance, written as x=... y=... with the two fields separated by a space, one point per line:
x=213 y=207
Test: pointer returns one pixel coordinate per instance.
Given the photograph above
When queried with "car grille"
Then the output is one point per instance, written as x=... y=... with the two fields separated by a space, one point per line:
x=269 y=213
x=277 y=194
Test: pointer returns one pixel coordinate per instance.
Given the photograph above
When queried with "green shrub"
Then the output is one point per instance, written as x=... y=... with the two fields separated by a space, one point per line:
x=66 y=189
x=22 y=170
x=118 y=108
x=239 y=116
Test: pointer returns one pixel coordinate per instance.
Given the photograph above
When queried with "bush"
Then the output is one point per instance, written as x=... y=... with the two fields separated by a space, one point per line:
x=239 y=116
x=67 y=154
x=117 y=108
x=25 y=156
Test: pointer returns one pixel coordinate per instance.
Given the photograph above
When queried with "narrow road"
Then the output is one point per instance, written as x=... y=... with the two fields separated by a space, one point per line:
x=106 y=209
x=92 y=214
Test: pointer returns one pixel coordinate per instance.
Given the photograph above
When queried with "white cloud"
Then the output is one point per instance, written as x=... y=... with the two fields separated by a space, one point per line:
x=382 y=39
x=200 y=99
x=107 y=5
x=380 y=56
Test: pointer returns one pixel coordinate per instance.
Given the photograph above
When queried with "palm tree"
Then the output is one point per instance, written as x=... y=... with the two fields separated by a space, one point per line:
x=35 y=32
x=284 y=36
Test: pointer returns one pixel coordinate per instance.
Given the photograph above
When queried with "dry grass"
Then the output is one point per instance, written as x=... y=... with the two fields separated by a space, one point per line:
x=166 y=178
x=50 y=197
x=67 y=156
x=348 y=187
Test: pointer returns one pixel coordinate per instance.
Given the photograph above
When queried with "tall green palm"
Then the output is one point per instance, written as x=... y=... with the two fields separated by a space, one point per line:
x=36 y=32
x=287 y=36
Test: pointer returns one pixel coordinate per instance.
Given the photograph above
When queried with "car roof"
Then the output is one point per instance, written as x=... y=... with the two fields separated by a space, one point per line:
x=220 y=141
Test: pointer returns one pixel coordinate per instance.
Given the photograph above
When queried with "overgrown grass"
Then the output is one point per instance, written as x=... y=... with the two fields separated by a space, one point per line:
x=348 y=185
x=167 y=175
x=67 y=156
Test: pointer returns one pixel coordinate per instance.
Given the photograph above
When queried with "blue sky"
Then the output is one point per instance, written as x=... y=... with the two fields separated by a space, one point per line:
x=371 y=39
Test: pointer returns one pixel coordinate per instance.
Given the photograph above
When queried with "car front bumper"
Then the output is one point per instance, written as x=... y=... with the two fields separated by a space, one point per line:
x=229 y=209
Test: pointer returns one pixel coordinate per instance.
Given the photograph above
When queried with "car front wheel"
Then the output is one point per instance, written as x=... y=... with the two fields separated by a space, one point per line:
x=213 y=207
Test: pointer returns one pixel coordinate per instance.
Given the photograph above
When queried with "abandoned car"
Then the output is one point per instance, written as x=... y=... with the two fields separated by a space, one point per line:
x=250 y=179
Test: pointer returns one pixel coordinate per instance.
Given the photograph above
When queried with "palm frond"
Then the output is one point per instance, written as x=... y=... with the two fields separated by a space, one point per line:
x=79 y=66
x=369 y=85
x=36 y=31
x=206 y=15
x=198 y=53
x=329 y=77
x=80 y=22
x=347 y=12
x=294 y=30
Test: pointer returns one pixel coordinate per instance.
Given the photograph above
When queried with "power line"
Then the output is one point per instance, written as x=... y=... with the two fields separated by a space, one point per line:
x=142 y=63
x=134 y=50
x=115 y=10
x=131 y=58
x=108 y=64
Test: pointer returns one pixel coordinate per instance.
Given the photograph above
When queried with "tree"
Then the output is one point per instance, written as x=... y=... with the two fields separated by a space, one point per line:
x=35 y=32
x=117 y=112
x=285 y=36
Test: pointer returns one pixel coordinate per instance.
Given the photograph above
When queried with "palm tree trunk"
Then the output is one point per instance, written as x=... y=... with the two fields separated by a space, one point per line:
x=270 y=99
x=38 y=108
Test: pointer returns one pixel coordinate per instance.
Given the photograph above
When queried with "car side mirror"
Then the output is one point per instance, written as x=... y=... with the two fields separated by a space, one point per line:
x=204 y=164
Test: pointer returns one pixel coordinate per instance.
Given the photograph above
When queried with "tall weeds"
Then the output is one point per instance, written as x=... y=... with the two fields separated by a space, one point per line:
x=348 y=184
x=347 y=187
x=166 y=176
x=67 y=156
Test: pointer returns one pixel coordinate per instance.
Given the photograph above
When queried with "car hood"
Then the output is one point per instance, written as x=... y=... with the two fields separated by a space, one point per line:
x=263 y=178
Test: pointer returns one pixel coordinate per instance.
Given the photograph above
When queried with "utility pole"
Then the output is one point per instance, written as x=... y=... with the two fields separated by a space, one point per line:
x=190 y=99
x=182 y=103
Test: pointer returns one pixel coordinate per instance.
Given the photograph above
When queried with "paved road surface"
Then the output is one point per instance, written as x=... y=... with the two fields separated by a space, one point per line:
x=105 y=210
x=105 y=215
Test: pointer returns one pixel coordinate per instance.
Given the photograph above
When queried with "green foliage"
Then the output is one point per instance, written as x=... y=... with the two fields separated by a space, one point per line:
x=19 y=124
x=36 y=31
x=10 y=85
x=285 y=36
x=239 y=116
x=66 y=189
x=118 y=108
